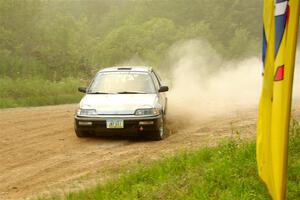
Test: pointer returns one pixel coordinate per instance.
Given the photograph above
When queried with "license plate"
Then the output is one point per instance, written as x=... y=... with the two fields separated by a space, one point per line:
x=114 y=123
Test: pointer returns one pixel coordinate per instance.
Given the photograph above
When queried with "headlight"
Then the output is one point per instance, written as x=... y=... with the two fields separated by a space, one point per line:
x=147 y=111
x=86 y=112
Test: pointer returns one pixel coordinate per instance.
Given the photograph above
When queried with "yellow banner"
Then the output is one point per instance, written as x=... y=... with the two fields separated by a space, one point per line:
x=280 y=39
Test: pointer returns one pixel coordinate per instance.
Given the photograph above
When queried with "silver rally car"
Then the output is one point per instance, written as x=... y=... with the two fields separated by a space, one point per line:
x=124 y=101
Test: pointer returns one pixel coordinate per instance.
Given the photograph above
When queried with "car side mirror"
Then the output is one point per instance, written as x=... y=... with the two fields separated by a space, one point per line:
x=82 y=89
x=163 y=89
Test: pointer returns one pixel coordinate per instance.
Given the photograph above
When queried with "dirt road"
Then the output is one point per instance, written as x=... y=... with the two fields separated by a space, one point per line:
x=40 y=154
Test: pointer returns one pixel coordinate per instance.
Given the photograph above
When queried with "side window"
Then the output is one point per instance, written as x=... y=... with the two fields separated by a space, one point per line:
x=156 y=81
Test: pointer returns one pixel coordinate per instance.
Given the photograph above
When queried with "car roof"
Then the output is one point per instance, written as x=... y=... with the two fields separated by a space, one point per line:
x=127 y=68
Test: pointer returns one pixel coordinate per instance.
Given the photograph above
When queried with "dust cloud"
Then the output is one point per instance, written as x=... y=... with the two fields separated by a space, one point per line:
x=204 y=85
x=296 y=89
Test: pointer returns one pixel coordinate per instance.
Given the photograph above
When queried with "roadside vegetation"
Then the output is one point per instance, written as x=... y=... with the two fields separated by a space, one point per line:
x=37 y=92
x=66 y=40
x=227 y=171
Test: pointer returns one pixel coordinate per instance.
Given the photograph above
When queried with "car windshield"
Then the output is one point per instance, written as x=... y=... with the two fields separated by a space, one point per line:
x=122 y=83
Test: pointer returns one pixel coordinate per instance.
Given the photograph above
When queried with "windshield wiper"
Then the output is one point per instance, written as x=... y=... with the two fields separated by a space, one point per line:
x=131 y=92
x=98 y=93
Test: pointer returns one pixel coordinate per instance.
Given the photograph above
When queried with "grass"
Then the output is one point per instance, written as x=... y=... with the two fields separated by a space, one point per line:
x=227 y=171
x=37 y=92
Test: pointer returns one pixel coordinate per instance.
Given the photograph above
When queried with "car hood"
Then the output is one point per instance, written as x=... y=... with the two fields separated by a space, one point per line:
x=110 y=104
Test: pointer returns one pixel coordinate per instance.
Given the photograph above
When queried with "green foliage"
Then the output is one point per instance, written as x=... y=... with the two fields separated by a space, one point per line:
x=52 y=40
x=37 y=92
x=58 y=39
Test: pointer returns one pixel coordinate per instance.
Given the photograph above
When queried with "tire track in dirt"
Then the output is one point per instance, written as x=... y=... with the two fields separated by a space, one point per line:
x=39 y=151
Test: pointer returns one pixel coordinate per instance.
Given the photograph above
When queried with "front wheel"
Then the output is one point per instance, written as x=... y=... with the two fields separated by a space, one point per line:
x=80 y=134
x=161 y=133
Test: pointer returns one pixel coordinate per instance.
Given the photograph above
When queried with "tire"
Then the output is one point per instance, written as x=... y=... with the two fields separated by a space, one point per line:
x=81 y=134
x=162 y=133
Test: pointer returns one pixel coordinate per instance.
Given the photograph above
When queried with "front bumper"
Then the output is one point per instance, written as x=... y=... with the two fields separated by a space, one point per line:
x=133 y=125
